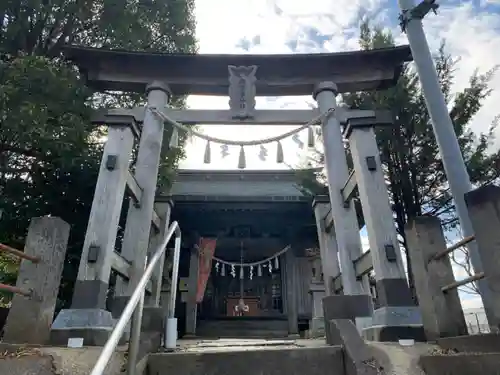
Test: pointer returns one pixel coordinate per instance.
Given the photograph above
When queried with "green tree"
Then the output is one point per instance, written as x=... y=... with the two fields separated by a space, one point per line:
x=409 y=151
x=49 y=151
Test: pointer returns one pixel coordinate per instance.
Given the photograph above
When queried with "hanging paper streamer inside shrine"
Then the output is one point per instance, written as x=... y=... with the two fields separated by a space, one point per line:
x=243 y=270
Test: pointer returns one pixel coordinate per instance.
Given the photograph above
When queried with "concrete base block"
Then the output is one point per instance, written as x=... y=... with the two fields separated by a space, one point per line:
x=347 y=306
x=317 y=327
x=357 y=308
x=397 y=315
x=93 y=325
x=395 y=333
x=394 y=323
x=153 y=319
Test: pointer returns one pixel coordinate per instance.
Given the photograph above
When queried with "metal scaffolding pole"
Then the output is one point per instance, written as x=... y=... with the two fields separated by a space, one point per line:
x=453 y=161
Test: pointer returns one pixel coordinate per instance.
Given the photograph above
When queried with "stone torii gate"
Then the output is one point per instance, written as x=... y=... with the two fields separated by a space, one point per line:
x=241 y=77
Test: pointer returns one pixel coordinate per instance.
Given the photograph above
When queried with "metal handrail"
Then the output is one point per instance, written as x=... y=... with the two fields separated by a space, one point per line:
x=441 y=254
x=135 y=304
x=467 y=280
x=16 y=290
x=18 y=253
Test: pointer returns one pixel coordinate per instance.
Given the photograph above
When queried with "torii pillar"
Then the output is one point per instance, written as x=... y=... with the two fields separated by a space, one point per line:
x=88 y=318
x=397 y=316
x=344 y=216
x=138 y=226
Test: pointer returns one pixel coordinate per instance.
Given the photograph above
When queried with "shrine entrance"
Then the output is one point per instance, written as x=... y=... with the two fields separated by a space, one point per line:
x=261 y=224
x=255 y=293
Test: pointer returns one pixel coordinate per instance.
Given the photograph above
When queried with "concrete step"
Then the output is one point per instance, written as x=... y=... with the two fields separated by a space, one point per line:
x=242 y=328
x=326 y=360
x=481 y=343
x=243 y=334
x=471 y=354
x=461 y=364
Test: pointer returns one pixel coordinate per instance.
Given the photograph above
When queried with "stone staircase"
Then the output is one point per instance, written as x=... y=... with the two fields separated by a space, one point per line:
x=250 y=357
x=243 y=328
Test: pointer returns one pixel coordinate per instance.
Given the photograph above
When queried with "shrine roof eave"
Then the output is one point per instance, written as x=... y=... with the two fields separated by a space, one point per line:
x=232 y=200
x=242 y=174
x=207 y=74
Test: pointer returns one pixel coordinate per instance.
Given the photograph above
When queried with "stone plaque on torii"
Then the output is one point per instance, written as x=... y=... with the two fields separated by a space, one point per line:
x=242 y=91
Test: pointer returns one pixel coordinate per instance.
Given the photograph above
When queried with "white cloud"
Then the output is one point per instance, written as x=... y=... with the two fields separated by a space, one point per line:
x=246 y=19
x=471 y=33
x=474 y=37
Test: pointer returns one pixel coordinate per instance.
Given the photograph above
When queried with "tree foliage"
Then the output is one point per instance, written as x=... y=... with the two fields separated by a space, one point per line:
x=409 y=151
x=49 y=151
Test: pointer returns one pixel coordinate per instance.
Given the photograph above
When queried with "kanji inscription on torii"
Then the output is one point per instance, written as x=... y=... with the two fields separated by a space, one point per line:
x=242 y=91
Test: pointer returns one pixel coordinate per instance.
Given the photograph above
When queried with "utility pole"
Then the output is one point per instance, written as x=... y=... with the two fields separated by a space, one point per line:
x=453 y=161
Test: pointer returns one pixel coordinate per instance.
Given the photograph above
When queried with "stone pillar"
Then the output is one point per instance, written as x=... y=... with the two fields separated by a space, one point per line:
x=396 y=307
x=191 y=305
x=166 y=281
x=442 y=313
x=291 y=293
x=154 y=315
x=484 y=212
x=317 y=323
x=163 y=209
x=30 y=318
x=284 y=300
x=344 y=216
x=327 y=244
x=138 y=226
x=88 y=317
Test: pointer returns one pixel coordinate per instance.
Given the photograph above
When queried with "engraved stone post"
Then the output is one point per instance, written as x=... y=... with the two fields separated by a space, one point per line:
x=442 y=313
x=484 y=212
x=317 y=323
x=242 y=91
x=30 y=318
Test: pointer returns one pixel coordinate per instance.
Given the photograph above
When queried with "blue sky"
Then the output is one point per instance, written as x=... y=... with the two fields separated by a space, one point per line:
x=471 y=29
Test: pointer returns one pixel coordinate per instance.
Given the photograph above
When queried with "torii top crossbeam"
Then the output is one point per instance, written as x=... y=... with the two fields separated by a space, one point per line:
x=278 y=75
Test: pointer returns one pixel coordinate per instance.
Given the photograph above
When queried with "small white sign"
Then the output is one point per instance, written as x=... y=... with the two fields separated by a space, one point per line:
x=75 y=342
x=406 y=342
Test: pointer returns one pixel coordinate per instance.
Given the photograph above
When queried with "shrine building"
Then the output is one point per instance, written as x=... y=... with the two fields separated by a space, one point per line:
x=265 y=252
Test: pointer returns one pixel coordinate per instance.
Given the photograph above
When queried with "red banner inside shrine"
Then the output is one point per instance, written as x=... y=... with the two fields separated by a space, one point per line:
x=206 y=254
